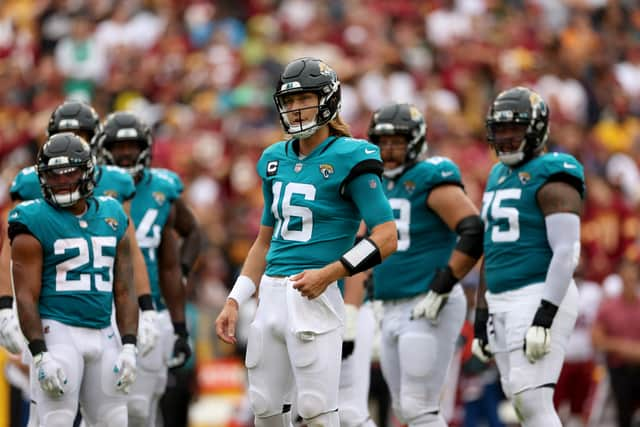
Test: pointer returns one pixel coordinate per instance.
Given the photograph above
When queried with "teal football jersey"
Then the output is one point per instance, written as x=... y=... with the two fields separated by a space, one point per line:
x=111 y=181
x=313 y=221
x=516 y=250
x=150 y=209
x=78 y=258
x=425 y=242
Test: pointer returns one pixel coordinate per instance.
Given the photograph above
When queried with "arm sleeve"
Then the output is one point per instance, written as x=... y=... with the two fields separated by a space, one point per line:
x=563 y=234
x=267 y=215
x=367 y=194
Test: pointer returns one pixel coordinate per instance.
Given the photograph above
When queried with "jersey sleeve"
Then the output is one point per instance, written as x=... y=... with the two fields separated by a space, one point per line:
x=363 y=158
x=21 y=220
x=26 y=185
x=267 y=215
x=443 y=172
x=565 y=168
x=367 y=194
x=177 y=182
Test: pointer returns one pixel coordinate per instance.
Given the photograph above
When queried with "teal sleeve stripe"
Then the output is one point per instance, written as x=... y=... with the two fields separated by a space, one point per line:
x=267 y=215
x=371 y=202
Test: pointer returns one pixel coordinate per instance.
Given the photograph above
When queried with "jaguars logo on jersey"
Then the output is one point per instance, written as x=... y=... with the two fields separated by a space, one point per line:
x=326 y=170
x=112 y=223
x=159 y=197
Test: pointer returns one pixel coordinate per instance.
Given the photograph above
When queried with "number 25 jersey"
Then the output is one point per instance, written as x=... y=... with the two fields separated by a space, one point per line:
x=78 y=256
x=516 y=250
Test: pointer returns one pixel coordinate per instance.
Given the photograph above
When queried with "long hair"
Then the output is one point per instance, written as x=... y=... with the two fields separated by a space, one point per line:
x=337 y=127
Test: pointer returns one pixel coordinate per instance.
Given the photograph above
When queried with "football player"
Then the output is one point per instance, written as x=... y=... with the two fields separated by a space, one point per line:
x=70 y=256
x=82 y=120
x=317 y=185
x=440 y=240
x=357 y=351
x=126 y=141
x=531 y=208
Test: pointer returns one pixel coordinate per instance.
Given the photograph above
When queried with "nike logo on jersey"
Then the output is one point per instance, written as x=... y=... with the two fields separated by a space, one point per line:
x=446 y=174
x=367 y=151
x=568 y=165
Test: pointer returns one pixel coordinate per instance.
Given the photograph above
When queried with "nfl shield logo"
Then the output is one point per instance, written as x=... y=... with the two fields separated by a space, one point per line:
x=297 y=168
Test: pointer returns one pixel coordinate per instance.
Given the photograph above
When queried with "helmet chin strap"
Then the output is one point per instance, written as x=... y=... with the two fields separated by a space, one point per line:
x=393 y=173
x=513 y=157
x=65 y=200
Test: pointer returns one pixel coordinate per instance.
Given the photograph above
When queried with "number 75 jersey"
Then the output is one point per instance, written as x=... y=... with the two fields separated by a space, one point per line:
x=516 y=250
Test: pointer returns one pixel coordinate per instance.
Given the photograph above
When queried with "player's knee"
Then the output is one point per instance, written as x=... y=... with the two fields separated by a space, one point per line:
x=412 y=407
x=115 y=417
x=535 y=404
x=138 y=409
x=350 y=417
x=311 y=405
x=60 y=418
x=328 y=419
x=261 y=406
x=279 y=420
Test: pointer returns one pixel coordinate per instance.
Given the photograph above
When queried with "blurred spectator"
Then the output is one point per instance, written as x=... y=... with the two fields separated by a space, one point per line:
x=616 y=333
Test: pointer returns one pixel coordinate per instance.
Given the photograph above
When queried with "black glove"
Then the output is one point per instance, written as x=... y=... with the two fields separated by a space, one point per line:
x=347 y=348
x=181 y=348
x=480 y=345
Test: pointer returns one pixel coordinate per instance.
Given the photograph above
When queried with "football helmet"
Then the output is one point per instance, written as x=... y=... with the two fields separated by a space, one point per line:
x=74 y=116
x=124 y=126
x=400 y=119
x=66 y=154
x=308 y=75
x=518 y=106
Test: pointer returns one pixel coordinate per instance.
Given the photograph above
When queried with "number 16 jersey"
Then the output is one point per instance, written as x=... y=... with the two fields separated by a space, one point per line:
x=307 y=202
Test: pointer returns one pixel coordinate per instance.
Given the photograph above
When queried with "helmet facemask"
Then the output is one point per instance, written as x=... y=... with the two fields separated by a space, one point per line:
x=404 y=120
x=518 y=119
x=308 y=75
x=54 y=172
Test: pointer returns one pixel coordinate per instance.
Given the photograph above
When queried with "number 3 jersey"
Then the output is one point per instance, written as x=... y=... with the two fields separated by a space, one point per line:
x=516 y=250
x=78 y=255
x=307 y=202
x=150 y=208
x=425 y=242
x=111 y=181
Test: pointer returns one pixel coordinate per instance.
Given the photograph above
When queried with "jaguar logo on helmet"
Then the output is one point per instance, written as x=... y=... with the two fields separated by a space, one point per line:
x=324 y=68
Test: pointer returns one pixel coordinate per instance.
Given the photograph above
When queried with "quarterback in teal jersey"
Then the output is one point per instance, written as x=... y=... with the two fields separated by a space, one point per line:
x=317 y=186
x=126 y=141
x=439 y=241
x=531 y=209
x=70 y=260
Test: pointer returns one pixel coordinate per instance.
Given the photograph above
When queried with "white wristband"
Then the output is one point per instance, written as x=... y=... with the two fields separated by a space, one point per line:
x=243 y=290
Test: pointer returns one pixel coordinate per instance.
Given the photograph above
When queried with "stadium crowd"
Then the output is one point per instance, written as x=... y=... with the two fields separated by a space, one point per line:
x=202 y=73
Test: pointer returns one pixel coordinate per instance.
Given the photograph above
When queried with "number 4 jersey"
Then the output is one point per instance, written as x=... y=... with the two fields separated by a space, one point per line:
x=516 y=250
x=307 y=203
x=78 y=255
x=150 y=208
